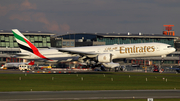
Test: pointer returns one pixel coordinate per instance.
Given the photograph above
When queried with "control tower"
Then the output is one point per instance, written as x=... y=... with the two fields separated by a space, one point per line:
x=168 y=30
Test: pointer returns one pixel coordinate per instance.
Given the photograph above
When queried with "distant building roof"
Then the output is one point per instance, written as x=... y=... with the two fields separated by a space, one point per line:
x=123 y=35
x=27 y=32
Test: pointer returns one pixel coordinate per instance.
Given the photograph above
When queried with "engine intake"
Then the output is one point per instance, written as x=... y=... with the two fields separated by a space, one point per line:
x=105 y=58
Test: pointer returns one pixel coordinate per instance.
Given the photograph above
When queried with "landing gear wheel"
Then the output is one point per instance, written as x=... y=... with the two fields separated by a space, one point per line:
x=116 y=69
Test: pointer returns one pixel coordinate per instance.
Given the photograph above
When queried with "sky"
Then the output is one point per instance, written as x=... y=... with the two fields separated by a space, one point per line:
x=90 y=16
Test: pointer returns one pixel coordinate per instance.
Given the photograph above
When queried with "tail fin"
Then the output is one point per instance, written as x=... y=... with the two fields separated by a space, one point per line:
x=25 y=45
x=31 y=63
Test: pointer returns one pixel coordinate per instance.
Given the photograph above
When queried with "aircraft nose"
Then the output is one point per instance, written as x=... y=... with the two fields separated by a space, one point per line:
x=173 y=49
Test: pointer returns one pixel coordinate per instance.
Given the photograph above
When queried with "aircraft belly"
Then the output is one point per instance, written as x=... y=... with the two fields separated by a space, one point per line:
x=61 y=57
x=74 y=58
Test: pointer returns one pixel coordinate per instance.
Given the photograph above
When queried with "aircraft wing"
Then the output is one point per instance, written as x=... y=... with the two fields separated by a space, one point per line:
x=77 y=52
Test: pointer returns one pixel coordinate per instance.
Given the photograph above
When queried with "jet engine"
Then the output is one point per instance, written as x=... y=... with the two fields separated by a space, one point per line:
x=104 y=58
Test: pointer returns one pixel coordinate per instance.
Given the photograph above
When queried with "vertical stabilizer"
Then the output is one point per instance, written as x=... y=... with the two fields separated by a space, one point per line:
x=31 y=63
x=25 y=45
x=22 y=41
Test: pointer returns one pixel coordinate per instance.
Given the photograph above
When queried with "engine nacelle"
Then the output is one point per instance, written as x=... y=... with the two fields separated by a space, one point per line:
x=104 y=58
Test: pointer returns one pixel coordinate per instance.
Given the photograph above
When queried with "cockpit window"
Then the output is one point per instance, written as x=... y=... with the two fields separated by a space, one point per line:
x=169 y=46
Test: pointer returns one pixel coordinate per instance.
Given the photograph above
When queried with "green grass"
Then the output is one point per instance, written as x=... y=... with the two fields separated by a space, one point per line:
x=65 y=82
x=134 y=100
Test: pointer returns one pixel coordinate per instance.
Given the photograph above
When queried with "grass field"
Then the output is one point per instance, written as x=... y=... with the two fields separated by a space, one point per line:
x=100 y=81
x=136 y=100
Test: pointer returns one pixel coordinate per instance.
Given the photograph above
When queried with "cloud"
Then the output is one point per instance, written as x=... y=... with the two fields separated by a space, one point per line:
x=65 y=27
x=24 y=13
x=41 y=17
x=6 y=9
x=52 y=27
x=27 y=5
x=24 y=16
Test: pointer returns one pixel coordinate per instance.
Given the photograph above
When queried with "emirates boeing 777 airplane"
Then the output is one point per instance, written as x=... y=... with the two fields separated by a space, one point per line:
x=102 y=54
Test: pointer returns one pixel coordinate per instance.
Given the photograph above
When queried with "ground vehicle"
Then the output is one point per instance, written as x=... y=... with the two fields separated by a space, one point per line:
x=45 y=67
x=25 y=67
x=156 y=69
x=15 y=65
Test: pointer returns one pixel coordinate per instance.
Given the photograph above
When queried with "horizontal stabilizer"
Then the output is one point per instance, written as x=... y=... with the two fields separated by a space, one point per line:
x=20 y=54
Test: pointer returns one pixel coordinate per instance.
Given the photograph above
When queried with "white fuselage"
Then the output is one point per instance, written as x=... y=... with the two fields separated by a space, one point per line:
x=117 y=51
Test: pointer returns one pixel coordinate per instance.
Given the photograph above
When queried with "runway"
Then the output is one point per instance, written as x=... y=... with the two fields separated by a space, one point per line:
x=81 y=95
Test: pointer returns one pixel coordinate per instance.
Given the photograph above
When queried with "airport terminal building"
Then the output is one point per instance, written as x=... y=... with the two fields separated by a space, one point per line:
x=73 y=40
